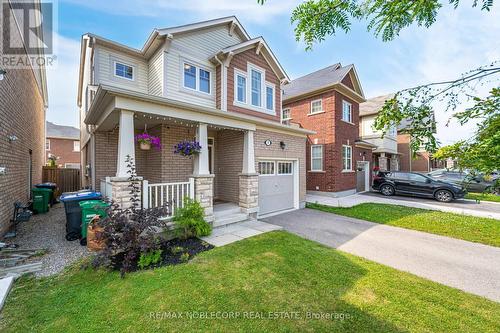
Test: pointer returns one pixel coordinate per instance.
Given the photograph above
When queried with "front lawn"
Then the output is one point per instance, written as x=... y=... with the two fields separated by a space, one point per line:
x=483 y=197
x=268 y=283
x=469 y=228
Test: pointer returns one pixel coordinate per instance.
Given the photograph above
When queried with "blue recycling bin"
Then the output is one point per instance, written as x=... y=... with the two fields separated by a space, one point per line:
x=73 y=211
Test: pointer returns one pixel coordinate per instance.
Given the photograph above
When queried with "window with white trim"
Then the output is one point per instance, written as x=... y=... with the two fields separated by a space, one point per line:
x=76 y=145
x=316 y=158
x=392 y=131
x=285 y=168
x=316 y=106
x=347 y=111
x=196 y=78
x=269 y=97
x=286 y=115
x=346 y=158
x=47 y=144
x=241 y=88
x=256 y=87
x=266 y=168
x=124 y=71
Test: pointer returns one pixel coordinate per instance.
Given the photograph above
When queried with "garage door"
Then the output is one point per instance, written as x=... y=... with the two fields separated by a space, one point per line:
x=276 y=188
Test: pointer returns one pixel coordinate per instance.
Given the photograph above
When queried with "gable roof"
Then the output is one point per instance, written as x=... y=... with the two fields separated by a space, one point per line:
x=325 y=78
x=373 y=105
x=261 y=45
x=61 y=131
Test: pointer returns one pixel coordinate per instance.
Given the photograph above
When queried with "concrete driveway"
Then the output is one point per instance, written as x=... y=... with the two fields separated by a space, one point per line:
x=471 y=267
x=462 y=206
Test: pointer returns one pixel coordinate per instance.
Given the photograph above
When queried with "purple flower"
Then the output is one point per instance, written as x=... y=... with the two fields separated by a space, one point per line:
x=187 y=148
x=148 y=139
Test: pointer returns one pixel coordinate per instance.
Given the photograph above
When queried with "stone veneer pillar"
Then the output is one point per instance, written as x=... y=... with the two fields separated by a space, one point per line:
x=204 y=194
x=120 y=191
x=394 y=163
x=382 y=162
x=249 y=194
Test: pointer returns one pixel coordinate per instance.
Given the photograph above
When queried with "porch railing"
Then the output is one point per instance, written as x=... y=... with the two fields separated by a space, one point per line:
x=106 y=188
x=158 y=195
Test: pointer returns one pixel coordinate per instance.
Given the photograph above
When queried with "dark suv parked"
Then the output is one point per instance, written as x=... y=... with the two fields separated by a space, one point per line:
x=416 y=184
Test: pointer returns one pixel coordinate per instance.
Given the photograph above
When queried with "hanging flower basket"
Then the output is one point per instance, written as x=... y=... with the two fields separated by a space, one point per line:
x=146 y=140
x=187 y=148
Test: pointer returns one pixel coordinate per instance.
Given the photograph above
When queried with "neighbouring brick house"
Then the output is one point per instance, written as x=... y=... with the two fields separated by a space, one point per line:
x=327 y=102
x=63 y=142
x=210 y=81
x=23 y=103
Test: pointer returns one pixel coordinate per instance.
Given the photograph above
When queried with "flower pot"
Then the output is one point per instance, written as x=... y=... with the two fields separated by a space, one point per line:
x=145 y=146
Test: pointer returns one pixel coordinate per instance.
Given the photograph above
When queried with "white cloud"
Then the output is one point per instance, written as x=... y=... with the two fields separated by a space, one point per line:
x=248 y=10
x=62 y=82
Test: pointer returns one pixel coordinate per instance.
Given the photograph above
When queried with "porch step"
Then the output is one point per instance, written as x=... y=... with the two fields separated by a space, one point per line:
x=226 y=219
x=223 y=210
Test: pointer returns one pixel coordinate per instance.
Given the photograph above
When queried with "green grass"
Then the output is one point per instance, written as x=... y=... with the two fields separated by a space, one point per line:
x=470 y=228
x=483 y=197
x=272 y=272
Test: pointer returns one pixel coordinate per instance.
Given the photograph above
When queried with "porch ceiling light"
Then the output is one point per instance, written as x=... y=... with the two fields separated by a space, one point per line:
x=2 y=74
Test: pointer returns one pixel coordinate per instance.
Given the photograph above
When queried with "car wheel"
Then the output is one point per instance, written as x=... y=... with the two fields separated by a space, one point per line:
x=387 y=190
x=444 y=196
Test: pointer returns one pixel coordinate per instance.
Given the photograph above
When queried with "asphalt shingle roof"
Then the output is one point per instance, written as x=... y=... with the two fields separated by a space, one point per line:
x=316 y=80
x=373 y=105
x=61 y=131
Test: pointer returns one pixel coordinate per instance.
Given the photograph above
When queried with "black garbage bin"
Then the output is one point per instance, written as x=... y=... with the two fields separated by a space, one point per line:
x=73 y=210
x=50 y=186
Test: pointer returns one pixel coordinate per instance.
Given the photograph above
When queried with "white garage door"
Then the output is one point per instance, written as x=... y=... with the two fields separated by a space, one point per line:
x=276 y=186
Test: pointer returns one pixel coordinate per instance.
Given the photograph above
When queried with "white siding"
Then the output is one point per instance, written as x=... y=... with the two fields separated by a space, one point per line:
x=156 y=73
x=105 y=59
x=84 y=106
x=196 y=47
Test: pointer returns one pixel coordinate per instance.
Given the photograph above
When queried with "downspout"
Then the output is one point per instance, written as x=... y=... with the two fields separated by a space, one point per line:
x=223 y=84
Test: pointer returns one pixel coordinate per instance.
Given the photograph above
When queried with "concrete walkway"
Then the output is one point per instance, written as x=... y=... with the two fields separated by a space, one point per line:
x=471 y=267
x=237 y=231
x=466 y=207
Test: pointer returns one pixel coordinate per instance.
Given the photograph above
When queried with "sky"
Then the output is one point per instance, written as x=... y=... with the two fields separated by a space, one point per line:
x=460 y=40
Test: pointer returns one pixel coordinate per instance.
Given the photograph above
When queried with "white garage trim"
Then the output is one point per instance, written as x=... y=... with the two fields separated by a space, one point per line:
x=296 y=181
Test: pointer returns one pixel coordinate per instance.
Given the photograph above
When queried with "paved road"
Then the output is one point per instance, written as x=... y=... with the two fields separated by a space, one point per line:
x=471 y=267
x=467 y=207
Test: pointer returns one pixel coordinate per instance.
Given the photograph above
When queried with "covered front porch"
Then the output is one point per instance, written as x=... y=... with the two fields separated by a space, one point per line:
x=222 y=172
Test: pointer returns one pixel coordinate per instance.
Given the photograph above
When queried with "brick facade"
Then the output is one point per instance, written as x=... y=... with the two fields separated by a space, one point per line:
x=22 y=114
x=240 y=61
x=331 y=132
x=407 y=162
x=63 y=149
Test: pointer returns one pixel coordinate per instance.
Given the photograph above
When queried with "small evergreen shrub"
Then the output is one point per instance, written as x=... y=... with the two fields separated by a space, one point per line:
x=189 y=220
x=149 y=258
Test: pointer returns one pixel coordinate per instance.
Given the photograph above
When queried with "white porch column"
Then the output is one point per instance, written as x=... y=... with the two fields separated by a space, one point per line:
x=125 y=142
x=201 y=159
x=248 y=154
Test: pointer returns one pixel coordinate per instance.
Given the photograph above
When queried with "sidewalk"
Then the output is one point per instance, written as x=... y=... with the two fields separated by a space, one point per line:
x=466 y=207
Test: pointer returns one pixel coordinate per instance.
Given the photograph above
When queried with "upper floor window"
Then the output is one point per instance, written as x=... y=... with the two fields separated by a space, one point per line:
x=76 y=145
x=392 y=131
x=269 y=98
x=347 y=158
x=347 y=111
x=196 y=78
x=241 y=88
x=47 y=144
x=124 y=71
x=285 y=115
x=256 y=78
x=316 y=106
x=316 y=158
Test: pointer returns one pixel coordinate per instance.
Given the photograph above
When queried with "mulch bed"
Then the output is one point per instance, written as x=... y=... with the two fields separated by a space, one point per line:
x=173 y=253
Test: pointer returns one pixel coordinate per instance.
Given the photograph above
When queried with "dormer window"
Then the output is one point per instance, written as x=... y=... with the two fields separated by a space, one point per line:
x=196 y=78
x=124 y=71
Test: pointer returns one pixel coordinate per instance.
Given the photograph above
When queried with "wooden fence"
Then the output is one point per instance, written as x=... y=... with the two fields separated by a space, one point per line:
x=67 y=180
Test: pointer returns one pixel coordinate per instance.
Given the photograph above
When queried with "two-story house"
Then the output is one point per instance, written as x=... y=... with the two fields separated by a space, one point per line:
x=63 y=143
x=210 y=81
x=385 y=155
x=327 y=102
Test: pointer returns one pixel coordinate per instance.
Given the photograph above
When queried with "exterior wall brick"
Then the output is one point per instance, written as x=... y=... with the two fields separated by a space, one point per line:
x=229 y=157
x=331 y=132
x=22 y=114
x=63 y=149
x=407 y=162
x=295 y=146
x=240 y=61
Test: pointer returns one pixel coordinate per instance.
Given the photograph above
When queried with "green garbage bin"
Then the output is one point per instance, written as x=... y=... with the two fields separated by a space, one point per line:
x=41 y=199
x=91 y=208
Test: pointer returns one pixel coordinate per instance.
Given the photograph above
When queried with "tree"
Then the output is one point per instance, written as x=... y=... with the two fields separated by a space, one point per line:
x=315 y=20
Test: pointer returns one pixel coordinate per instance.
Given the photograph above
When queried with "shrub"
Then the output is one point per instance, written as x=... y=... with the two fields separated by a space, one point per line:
x=184 y=257
x=149 y=258
x=189 y=220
